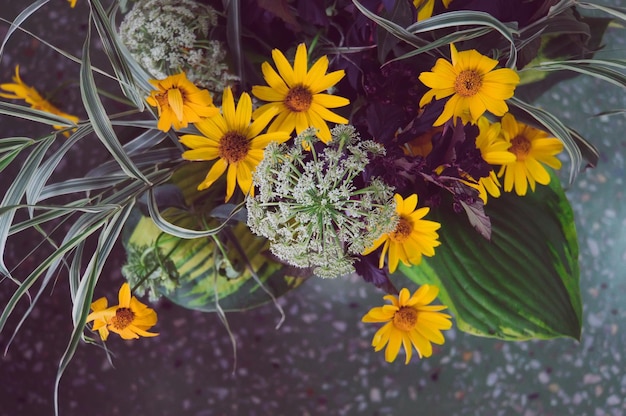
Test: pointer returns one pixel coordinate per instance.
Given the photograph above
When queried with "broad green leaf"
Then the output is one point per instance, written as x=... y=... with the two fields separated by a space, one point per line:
x=522 y=284
x=208 y=280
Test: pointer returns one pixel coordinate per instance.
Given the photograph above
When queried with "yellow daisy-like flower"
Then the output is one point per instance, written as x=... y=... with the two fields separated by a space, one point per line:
x=494 y=150
x=472 y=82
x=295 y=95
x=532 y=149
x=20 y=91
x=234 y=141
x=425 y=7
x=130 y=319
x=410 y=322
x=179 y=102
x=412 y=238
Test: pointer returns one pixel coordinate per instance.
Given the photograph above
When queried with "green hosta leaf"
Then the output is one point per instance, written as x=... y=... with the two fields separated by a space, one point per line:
x=522 y=284
x=203 y=275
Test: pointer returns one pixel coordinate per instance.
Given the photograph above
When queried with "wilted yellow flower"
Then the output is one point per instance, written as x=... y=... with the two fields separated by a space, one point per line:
x=21 y=91
x=180 y=102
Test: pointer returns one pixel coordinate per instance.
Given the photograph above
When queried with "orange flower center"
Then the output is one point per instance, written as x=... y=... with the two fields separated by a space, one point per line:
x=520 y=147
x=468 y=83
x=298 y=99
x=405 y=319
x=234 y=147
x=123 y=318
x=403 y=231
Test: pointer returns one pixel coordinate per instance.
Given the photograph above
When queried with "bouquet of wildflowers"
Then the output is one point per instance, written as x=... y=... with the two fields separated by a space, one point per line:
x=265 y=143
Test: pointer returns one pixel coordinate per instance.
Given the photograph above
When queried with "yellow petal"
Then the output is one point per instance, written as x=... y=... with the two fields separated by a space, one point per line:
x=300 y=63
x=175 y=100
x=215 y=172
x=284 y=68
x=124 y=296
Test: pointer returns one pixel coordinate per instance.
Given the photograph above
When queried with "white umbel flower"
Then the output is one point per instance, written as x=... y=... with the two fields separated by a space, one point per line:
x=311 y=207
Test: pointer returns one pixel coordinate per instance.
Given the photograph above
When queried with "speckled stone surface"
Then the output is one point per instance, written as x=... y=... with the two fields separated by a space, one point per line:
x=320 y=360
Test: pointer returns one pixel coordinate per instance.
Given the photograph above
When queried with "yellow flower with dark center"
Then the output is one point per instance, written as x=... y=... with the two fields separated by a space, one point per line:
x=532 y=149
x=130 y=319
x=179 y=102
x=425 y=7
x=296 y=94
x=472 y=82
x=494 y=150
x=20 y=91
x=412 y=237
x=409 y=322
x=237 y=143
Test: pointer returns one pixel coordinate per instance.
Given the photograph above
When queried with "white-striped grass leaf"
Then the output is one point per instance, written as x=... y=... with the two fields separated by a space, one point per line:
x=77 y=185
x=144 y=141
x=548 y=122
x=40 y=177
x=98 y=116
x=16 y=191
x=589 y=152
x=491 y=286
x=391 y=27
x=608 y=70
x=618 y=12
x=465 y=18
x=173 y=229
x=12 y=143
x=233 y=36
x=80 y=231
x=27 y=113
x=455 y=37
x=19 y=19
x=614 y=112
x=56 y=211
x=85 y=290
x=143 y=160
x=110 y=44
x=10 y=147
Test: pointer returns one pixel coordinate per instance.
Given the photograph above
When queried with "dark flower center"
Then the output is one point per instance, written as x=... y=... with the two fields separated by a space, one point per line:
x=233 y=147
x=123 y=318
x=405 y=318
x=468 y=83
x=520 y=147
x=403 y=230
x=298 y=99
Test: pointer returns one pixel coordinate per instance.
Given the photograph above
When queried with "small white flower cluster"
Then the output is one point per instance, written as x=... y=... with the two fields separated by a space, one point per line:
x=309 y=207
x=149 y=271
x=169 y=36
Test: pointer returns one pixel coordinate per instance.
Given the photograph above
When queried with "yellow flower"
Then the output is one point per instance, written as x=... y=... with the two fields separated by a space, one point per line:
x=100 y=324
x=21 y=91
x=295 y=94
x=130 y=319
x=412 y=237
x=410 y=322
x=532 y=148
x=494 y=150
x=472 y=82
x=72 y=3
x=425 y=7
x=180 y=102
x=234 y=141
